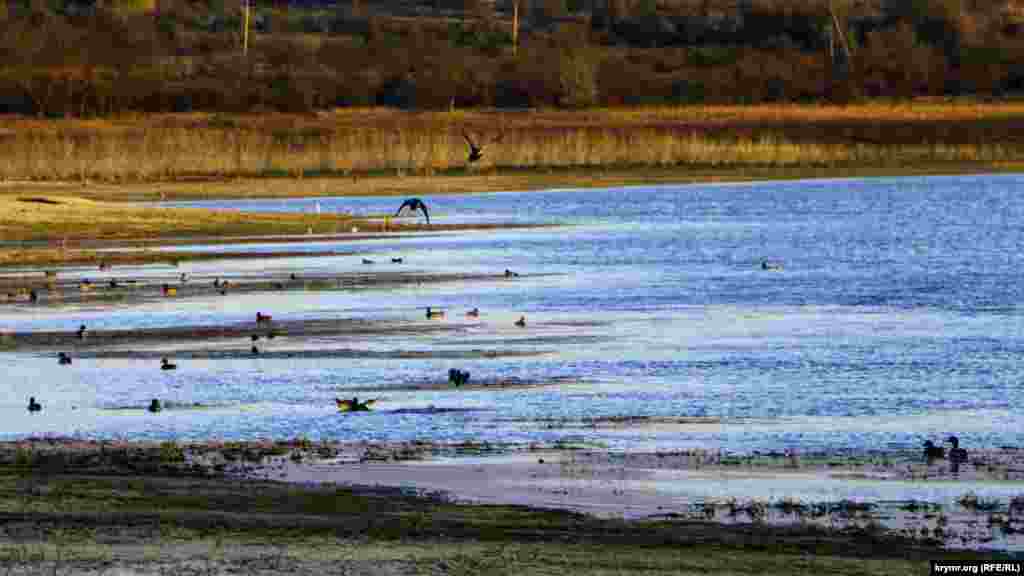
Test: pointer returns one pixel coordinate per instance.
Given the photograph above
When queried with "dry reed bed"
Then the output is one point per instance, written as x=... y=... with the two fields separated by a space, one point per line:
x=168 y=147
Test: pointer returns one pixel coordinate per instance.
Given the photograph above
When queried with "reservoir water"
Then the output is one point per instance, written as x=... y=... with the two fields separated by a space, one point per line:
x=895 y=315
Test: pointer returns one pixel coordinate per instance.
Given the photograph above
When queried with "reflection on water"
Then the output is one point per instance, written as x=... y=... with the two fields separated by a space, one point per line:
x=895 y=317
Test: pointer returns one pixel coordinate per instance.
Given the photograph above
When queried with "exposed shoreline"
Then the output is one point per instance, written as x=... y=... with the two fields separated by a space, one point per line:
x=384 y=494
x=501 y=179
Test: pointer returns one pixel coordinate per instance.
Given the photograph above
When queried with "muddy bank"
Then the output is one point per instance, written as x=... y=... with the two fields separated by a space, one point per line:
x=89 y=507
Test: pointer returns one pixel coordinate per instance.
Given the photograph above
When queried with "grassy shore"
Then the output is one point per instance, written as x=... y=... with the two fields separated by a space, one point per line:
x=84 y=508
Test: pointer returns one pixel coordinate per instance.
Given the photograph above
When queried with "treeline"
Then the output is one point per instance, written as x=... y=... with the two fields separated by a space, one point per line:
x=78 y=59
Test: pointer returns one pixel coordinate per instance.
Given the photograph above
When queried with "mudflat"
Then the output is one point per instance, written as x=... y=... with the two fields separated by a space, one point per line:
x=82 y=507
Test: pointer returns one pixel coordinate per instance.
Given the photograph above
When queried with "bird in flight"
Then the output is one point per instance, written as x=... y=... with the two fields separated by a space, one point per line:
x=476 y=151
x=414 y=204
x=354 y=405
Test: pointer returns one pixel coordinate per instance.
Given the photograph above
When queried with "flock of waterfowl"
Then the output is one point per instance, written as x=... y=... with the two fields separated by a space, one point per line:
x=457 y=377
x=956 y=454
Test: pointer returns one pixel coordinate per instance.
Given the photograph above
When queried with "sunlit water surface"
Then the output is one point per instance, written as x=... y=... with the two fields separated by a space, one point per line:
x=896 y=317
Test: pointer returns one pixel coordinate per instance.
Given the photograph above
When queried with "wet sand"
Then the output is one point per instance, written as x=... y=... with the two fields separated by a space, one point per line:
x=695 y=486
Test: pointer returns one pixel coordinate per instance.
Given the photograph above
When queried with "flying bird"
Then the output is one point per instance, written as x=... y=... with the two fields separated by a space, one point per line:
x=414 y=204
x=354 y=405
x=476 y=151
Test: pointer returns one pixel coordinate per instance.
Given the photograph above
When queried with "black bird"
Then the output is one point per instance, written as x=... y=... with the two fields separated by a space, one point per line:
x=34 y=406
x=458 y=377
x=511 y=274
x=414 y=204
x=431 y=313
x=956 y=453
x=155 y=406
x=521 y=322
x=81 y=332
x=33 y=296
x=293 y=276
x=476 y=151
x=165 y=364
x=367 y=261
x=396 y=260
x=63 y=359
x=354 y=405
x=474 y=313
x=255 y=337
x=255 y=350
x=931 y=451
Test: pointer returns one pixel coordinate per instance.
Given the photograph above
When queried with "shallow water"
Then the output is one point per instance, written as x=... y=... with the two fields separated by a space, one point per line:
x=896 y=317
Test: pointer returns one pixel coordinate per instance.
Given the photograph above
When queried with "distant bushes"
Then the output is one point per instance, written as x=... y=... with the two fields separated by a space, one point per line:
x=63 y=59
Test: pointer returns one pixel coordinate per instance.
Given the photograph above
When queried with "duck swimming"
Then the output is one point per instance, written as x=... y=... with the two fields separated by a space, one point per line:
x=81 y=332
x=34 y=406
x=931 y=451
x=431 y=313
x=521 y=322
x=63 y=359
x=165 y=364
x=474 y=313
x=354 y=405
x=956 y=453
x=458 y=377
x=155 y=406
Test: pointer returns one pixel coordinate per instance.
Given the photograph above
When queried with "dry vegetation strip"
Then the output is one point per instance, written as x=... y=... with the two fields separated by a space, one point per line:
x=372 y=141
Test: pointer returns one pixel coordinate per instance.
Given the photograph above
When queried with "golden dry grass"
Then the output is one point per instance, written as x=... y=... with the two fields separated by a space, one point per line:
x=374 y=140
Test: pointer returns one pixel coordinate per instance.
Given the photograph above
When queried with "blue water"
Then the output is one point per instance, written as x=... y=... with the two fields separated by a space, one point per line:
x=896 y=316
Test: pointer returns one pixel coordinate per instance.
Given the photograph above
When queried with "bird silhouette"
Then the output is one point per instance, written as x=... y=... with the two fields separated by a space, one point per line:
x=956 y=453
x=165 y=364
x=63 y=359
x=354 y=405
x=931 y=451
x=155 y=406
x=476 y=151
x=34 y=406
x=474 y=313
x=414 y=204
x=521 y=322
